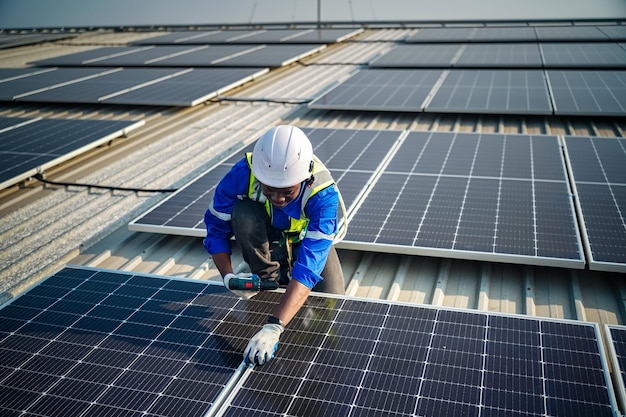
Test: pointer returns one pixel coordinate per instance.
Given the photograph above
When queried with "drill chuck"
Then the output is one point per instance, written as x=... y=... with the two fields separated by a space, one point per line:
x=253 y=283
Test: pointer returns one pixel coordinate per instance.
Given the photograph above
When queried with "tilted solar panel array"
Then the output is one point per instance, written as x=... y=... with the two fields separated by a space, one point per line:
x=94 y=342
x=30 y=145
x=138 y=86
x=462 y=195
x=187 y=56
x=284 y=36
x=492 y=91
x=473 y=196
x=616 y=347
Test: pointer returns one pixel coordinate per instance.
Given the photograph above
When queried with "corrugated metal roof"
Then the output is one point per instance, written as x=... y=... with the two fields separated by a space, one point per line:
x=44 y=227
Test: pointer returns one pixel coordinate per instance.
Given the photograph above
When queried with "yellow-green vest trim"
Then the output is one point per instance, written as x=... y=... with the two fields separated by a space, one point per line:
x=298 y=227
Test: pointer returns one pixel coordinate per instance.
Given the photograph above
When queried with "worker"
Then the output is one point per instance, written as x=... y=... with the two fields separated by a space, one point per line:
x=281 y=205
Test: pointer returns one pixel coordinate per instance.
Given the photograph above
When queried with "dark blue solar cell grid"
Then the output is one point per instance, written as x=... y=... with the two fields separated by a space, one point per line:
x=569 y=33
x=92 y=343
x=37 y=144
x=474 y=196
x=492 y=91
x=443 y=35
x=351 y=155
x=601 y=93
x=362 y=358
x=381 y=89
x=597 y=166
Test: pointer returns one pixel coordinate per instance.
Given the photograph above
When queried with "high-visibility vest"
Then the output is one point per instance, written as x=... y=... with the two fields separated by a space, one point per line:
x=297 y=228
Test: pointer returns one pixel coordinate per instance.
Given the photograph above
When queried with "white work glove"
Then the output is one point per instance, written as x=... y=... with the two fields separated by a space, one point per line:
x=245 y=294
x=262 y=346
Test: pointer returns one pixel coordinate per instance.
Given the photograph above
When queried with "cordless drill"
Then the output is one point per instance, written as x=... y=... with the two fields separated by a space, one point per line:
x=252 y=283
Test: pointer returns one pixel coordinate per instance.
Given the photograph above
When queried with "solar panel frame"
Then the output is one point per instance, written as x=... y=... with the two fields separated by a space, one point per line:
x=35 y=145
x=587 y=92
x=516 y=91
x=363 y=357
x=183 y=212
x=452 y=195
x=382 y=90
x=596 y=167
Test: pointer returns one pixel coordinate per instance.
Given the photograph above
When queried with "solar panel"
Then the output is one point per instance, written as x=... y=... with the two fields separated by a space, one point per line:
x=352 y=156
x=419 y=56
x=443 y=35
x=504 y=34
x=13 y=40
x=381 y=89
x=92 y=342
x=615 y=33
x=29 y=146
x=271 y=56
x=254 y=37
x=189 y=88
x=511 y=55
x=597 y=166
x=351 y=357
x=89 y=56
x=490 y=197
x=140 y=86
x=588 y=92
x=492 y=91
x=37 y=79
x=583 y=55
x=616 y=344
x=569 y=33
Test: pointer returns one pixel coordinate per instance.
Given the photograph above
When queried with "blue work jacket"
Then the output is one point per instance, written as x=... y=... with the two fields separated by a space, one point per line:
x=321 y=211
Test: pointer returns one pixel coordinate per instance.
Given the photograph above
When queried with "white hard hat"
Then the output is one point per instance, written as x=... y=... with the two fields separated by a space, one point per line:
x=282 y=157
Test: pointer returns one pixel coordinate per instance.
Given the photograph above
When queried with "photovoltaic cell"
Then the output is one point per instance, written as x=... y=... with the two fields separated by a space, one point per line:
x=381 y=89
x=588 y=92
x=93 y=342
x=597 y=166
x=583 y=55
x=616 y=341
x=364 y=358
x=492 y=91
x=472 y=196
x=615 y=33
x=352 y=156
x=29 y=146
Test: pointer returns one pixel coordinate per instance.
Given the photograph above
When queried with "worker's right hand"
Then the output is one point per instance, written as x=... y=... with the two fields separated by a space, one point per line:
x=240 y=293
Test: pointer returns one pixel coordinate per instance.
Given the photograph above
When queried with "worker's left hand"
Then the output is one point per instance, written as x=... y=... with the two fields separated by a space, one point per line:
x=262 y=346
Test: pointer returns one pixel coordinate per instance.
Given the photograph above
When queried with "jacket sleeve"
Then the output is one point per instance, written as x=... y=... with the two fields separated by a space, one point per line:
x=231 y=188
x=321 y=209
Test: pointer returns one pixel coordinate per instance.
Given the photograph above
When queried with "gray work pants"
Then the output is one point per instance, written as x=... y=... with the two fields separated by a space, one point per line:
x=256 y=236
